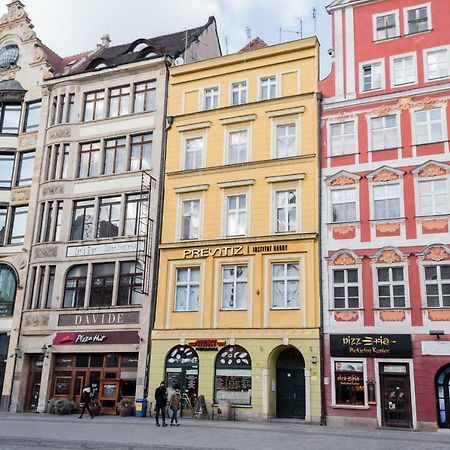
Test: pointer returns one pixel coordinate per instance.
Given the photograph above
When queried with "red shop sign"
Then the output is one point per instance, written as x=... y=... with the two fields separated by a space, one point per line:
x=106 y=337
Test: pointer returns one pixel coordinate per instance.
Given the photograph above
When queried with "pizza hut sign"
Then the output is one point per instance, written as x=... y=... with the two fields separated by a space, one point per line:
x=113 y=337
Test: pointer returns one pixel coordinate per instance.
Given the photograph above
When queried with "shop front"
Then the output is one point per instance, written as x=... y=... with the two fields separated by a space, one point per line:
x=4 y=343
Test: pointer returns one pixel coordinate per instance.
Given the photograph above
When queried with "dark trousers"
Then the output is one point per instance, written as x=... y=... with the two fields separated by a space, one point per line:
x=86 y=407
x=159 y=407
x=174 y=416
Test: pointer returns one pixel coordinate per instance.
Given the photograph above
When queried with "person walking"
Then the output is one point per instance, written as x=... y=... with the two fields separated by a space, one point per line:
x=161 y=403
x=86 y=398
x=174 y=405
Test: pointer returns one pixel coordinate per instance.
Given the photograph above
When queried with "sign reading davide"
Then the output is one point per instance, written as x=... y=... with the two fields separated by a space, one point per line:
x=371 y=345
x=94 y=319
x=106 y=337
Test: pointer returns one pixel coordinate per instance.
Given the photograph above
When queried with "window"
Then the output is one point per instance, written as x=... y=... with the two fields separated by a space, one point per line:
x=94 y=106
x=285 y=285
x=58 y=222
x=234 y=287
x=115 y=156
x=349 y=383
x=286 y=215
x=132 y=214
x=345 y=289
x=56 y=162
x=386 y=201
x=437 y=285
x=383 y=132
x=267 y=88
x=70 y=116
x=144 y=96
x=50 y=287
x=75 y=287
x=386 y=27
x=211 y=98
x=129 y=284
x=6 y=169
x=429 y=126
x=119 y=101
x=237 y=147
x=108 y=221
x=25 y=171
x=404 y=70
x=89 y=160
x=342 y=138
x=236 y=215
x=141 y=151
x=53 y=107
x=190 y=219
x=3 y=217
x=418 y=20
x=83 y=220
x=61 y=103
x=343 y=205
x=41 y=292
x=372 y=76
x=239 y=93
x=102 y=285
x=8 y=286
x=437 y=64
x=391 y=287
x=18 y=224
x=187 y=289
x=47 y=225
x=193 y=153
x=32 y=116
x=433 y=197
x=286 y=140
x=10 y=119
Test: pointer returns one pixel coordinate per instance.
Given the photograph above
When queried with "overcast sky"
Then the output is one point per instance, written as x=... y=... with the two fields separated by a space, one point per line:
x=73 y=26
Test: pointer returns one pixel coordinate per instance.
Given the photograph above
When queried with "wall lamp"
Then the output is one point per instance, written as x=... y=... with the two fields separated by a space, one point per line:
x=437 y=333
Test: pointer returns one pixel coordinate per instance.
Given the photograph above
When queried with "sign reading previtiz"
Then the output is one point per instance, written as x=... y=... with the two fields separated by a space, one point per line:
x=375 y=345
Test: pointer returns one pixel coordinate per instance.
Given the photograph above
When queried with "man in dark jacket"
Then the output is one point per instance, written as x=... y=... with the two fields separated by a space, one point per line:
x=161 y=403
x=86 y=398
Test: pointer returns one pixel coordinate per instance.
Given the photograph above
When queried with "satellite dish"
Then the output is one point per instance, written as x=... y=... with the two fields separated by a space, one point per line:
x=179 y=61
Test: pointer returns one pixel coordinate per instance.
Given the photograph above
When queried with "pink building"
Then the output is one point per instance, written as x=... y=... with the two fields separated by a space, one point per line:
x=385 y=214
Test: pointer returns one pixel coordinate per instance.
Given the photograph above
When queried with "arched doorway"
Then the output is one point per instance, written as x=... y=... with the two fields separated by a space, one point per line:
x=182 y=371
x=291 y=402
x=8 y=287
x=442 y=384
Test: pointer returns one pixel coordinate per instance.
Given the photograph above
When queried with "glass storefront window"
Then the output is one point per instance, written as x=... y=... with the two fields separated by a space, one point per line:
x=349 y=383
x=8 y=285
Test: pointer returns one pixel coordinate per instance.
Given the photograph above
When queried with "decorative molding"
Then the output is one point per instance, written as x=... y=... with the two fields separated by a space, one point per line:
x=342 y=181
x=385 y=174
x=36 y=320
x=405 y=104
x=282 y=178
x=194 y=188
x=437 y=253
x=387 y=227
x=9 y=74
x=341 y=117
x=38 y=54
x=392 y=316
x=344 y=259
x=238 y=183
x=238 y=119
x=51 y=190
x=435 y=225
x=346 y=316
x=442 y=315
x=194 y=126
x=388 y=255
x=59 y=133
x=46 y=252
x=431 y=170
x=21 y=262
x=343 y=229
x=20 y=195
x=28 y=141
x=286 y=112
x=15 y=12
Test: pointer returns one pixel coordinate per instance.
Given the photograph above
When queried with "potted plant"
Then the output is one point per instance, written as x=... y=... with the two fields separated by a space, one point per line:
x=125 y=407
x=62 y=406
x=95 y=407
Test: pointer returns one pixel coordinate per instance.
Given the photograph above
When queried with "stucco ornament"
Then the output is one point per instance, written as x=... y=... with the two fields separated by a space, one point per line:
x=15 y=12
x=437 y=254
x=432 y=170
x=344 y=259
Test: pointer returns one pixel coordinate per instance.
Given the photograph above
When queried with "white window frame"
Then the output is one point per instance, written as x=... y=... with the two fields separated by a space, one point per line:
x=275 y=125
x=403 y=56
x=234 y=281
x=188 y=283
x=180 y=217
x=286 y=279
x=185 y=139
x=429 y=16
x=443 y=122
x=247 y=211
x=396 y=13
x=426 y=52
x=418 y=195
x=361 y=75
x=424 y=283
x=330 y=202
x=228 y=132
x=355 y=150
x=401 y=200
x=277 y=86
x=390 y=283
x=331 y=271
x=397 y=126
x=235 y=82
x=204 y=96
x=333 y=383
x=274 y=209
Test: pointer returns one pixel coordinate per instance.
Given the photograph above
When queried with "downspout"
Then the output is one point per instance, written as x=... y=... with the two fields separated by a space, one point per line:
x=167 y=123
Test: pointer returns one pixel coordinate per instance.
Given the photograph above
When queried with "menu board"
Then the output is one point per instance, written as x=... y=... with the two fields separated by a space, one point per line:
x=173 y=380
x=192 y=382
x=109 y=390
x=234 y=388
x=62 y=386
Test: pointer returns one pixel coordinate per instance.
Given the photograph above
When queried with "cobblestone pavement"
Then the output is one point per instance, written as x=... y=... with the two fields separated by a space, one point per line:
x=44 y=432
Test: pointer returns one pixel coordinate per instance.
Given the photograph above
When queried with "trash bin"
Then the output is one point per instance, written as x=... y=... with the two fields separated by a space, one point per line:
x=141 y=407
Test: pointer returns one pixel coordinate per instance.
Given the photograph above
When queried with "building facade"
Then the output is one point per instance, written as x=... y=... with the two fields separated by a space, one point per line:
x=237 y=313
x=385 y=215
x=95 y=223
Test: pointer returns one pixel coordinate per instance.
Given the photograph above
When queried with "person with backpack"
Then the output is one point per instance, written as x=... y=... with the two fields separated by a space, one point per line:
x=161 y=403
x=174 y=405
x=86 y=398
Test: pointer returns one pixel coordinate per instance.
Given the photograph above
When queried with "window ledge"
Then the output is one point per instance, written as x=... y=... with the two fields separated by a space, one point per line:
x=436 y=216
x=380 y=41
x=193 y=188
x=233 y=310
x=430 y=143
x=400 y=308
x=282 y=178
x=373 y=150
x=340 y=224
x=344 y=154
x=418 y=33
x=363 y=407
x=128 y=173
x=294 y=308
x=388 y=220
x=345 y=309
x=238 y=119
x=238 y=183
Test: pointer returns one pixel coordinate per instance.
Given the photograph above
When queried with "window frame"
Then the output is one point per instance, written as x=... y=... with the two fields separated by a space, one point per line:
x=418 y=182
x=424 y=283
x=260 y=85
x=400 y=57
x=330 y=152
x=25 y=125
x=346 y=284
x=188 y=283
x=285 y=123
x=406 y=22
x=11 y=220
x=426 y=53
x=286 y=261
x=227 y=195
x=274 y=209
x=181 y=216
x=189 y=137
x=239 y=82
x=214 y=97
x=120 y=96
x=102 y=99
x=3 y=108
x=428 y=111
x=401 y=209
x=390 y=283
x=375 y=17
x=145 y=92
x=234 y=281
x=92 y=149
x=373 y=62
x=18 y=182
x=330 y=197
x=333 y=382
x=370 y=132
x=228 y=132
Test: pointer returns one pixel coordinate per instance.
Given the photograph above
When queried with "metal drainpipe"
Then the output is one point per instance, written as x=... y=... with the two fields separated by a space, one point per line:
x=323 y=413
x=167 y=125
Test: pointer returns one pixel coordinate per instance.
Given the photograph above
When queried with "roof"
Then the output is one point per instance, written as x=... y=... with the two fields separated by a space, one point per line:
x=112 y=56
x=254 y=44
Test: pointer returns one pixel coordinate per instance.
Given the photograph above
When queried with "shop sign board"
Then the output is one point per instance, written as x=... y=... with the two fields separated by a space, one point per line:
x=102 y=249
x=107 y=337
x=207 y=344
x=235 y=250
x=371 y=345
x=94 y=319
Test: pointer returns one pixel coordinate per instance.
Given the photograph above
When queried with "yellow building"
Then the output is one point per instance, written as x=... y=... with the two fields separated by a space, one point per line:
x=237 y=312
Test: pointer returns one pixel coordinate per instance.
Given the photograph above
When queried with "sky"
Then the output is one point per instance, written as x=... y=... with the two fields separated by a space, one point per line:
x=74 y=26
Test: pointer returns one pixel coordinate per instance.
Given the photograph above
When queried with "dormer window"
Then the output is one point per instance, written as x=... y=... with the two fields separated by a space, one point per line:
x=140 y=47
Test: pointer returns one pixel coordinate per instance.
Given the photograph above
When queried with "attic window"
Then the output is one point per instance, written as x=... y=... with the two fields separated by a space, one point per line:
x=71 y=63
x=140 y=47
x=97 y=64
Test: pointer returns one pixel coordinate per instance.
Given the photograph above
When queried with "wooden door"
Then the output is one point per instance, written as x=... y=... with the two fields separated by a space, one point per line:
x=291 y=393
x=396 y=401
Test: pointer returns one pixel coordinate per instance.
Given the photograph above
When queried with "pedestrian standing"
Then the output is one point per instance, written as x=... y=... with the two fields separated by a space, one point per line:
x=174 y=405
x=161 y=403
x=86 y=398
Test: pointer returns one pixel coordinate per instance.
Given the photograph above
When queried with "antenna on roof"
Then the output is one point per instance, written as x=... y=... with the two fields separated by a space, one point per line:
x=298 y=32
x=314 y=16
x=185 y=43
x=226 y=45
x=249 y=36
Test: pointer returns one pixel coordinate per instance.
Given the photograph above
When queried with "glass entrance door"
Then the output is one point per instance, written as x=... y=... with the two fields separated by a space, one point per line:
x=443 y=397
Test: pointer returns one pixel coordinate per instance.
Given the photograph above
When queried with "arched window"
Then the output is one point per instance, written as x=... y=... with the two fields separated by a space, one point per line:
x=97 y=64
x=443 y=396
x=8 y=287
x=75 y=287
x=140 y=47
x=233 y=381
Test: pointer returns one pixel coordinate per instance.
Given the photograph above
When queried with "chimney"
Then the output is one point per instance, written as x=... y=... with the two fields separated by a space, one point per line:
x=105 y=41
